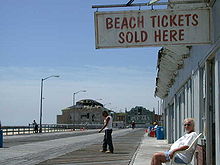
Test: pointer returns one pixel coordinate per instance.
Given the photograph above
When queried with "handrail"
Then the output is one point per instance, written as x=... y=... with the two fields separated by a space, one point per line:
x=21 y=130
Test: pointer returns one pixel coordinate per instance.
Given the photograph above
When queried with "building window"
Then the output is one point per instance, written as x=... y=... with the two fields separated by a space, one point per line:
x=139 y=112
x=93 y=117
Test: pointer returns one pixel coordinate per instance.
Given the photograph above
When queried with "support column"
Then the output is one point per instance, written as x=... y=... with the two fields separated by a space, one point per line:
x=217 y=106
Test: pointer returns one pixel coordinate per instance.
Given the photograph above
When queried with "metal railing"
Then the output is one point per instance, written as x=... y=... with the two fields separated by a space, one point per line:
x=20 y=130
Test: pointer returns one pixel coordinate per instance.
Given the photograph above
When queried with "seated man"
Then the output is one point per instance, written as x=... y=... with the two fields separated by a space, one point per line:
x=181 y=144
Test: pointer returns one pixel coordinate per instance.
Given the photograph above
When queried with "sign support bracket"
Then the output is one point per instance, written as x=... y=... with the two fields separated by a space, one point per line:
x=146 y=4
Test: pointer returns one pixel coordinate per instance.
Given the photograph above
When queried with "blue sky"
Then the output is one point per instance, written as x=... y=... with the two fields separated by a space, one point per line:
x=39 y=38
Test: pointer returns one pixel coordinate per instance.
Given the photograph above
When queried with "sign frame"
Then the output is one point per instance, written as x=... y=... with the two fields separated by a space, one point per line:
x=121 y=14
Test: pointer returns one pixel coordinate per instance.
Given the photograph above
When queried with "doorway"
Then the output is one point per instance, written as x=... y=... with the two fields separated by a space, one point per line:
x=210 y=112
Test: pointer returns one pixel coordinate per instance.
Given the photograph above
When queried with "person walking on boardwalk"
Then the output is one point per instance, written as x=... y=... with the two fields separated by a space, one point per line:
x=133 y=125
x=107 y=127
x=181 y=144
x=35 y=126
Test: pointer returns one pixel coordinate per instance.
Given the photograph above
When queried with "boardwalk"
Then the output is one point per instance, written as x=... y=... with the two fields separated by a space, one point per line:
x=132 y=147
x=34 y=149
x=10 y=141
x=125 y=147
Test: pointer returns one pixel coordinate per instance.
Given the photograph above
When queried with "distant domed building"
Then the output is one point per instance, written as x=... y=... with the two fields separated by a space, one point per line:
x=85 y=111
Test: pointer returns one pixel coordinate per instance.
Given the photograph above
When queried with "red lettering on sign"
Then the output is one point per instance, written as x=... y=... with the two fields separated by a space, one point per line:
x=108 y=23
x=173 y=20
x=140 y=22
x=129 y=37
x=168 y=35
x=132 y=37
x=164 y=21
x=132 y=22
x=117 y=23
x=144 y=36
x=180 y=20
x=121 y=38
x=158 y=21
x=195 y=19
x=153 y=20
x=124 y=23
x=136 y=39
x=187 y=19
x=157 y=36
x=181 y=34
x=173 y=34
x=165 y=35
x=167 y=27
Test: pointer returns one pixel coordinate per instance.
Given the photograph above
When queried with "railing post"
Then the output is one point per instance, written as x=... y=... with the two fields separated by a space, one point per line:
x=1 y=136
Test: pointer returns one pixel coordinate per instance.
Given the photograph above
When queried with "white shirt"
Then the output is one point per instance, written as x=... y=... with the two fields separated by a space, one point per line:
x=185 y=140
x=109 y=125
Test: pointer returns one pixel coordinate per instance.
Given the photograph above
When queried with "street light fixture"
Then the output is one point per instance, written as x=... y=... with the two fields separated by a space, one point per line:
x=74 y=96
x=41 y=99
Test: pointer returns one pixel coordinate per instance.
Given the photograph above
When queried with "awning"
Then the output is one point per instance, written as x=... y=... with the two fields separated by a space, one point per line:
x=170 y=60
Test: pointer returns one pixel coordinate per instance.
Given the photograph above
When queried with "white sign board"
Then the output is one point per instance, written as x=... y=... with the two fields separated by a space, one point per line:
x=152 y=28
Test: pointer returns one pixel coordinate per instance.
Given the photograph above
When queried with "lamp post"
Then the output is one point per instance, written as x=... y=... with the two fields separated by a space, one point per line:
x=41 y=99
x=74 y=96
